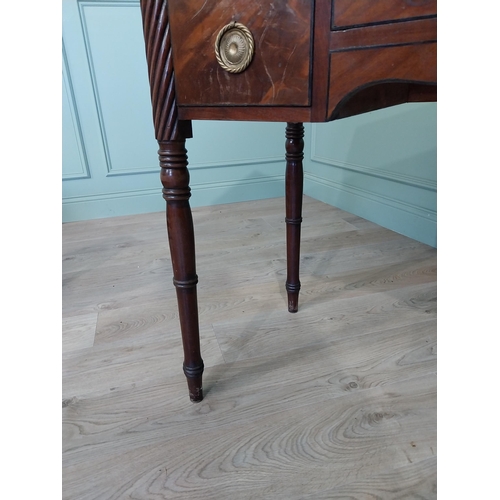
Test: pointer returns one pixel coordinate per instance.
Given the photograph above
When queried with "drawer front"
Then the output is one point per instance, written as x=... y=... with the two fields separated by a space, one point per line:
x=279 y=71
x=360 y=12
x=353 y=70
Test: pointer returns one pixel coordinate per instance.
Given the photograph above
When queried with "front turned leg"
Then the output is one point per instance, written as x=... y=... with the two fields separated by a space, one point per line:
x=176 y=191
x=294 y=180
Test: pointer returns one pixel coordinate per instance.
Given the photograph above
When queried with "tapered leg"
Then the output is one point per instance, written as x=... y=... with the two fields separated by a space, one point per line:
x=294 y=180
x=176 y=191
x=171 y=134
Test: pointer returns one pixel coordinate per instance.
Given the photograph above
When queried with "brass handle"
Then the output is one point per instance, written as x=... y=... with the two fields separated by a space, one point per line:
x=234 y=47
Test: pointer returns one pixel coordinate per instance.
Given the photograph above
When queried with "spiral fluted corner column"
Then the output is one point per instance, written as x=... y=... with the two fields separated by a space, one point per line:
x=294 y=181
x=171 y=134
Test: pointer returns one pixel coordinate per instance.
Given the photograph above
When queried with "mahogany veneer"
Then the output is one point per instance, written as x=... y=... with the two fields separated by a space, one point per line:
x=313 y=61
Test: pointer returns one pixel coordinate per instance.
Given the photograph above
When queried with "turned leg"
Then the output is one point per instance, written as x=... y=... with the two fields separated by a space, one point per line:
x=171 y=134
x=176 y=191
x=294 y=180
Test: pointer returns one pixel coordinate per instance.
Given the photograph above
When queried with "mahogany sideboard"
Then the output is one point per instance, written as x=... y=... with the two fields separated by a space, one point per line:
x=292 y=61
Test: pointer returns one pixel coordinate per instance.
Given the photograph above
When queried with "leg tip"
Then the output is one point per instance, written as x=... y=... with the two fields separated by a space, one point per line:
x=293 y=306
x=195 y=387
x=196 y=396
x=293 y=296
x=194 y=381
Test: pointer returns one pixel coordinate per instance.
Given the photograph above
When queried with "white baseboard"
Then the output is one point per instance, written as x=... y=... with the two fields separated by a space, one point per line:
x=150 y=200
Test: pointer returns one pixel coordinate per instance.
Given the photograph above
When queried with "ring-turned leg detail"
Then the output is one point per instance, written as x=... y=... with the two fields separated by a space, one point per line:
x=294 y=181
x=176 y=191
x=171 y=134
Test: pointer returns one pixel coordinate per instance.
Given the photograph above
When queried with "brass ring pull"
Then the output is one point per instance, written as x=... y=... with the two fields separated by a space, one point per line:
x=234 y=47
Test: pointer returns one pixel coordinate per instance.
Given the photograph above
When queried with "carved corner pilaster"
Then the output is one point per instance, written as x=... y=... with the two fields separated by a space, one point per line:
x=158 y=43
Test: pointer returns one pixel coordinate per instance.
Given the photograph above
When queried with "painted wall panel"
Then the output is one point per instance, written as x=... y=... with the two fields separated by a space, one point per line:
x=381 y=166
x=106 y=62
x=74 y=159
x=115 y=51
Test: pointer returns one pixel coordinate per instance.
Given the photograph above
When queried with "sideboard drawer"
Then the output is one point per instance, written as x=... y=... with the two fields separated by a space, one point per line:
x=359 y=12
x=279 y=71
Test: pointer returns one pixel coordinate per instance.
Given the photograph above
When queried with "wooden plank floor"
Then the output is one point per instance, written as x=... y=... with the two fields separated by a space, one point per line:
x=337 y=401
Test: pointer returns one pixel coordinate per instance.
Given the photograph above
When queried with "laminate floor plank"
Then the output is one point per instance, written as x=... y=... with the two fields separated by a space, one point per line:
x=122 y=227
x=414 y=481
x=336 y=401
x=104 y=368
x=316 y=374
x=106 y=287
x=244 y=295
x=262 y=333
x=78 y=332
x=314 y=448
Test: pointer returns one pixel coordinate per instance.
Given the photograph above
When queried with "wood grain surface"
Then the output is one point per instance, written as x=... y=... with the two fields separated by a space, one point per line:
x=279 y=73
x=349 y=13
x=408 y=63
x=337 y=401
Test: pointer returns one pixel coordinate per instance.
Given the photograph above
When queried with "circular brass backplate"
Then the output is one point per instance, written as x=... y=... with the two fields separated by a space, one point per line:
x=234 y=47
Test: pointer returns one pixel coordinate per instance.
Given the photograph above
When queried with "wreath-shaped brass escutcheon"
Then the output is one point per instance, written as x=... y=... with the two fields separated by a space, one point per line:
x=234 y=47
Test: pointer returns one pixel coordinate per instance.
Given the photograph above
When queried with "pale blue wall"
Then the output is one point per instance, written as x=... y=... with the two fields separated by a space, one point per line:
x=381 y=165
x=110 y=164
